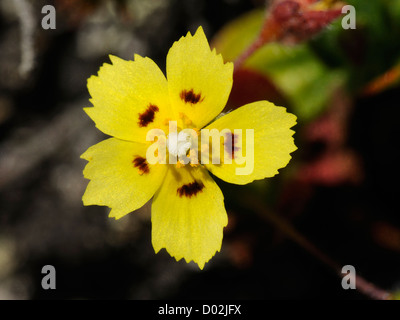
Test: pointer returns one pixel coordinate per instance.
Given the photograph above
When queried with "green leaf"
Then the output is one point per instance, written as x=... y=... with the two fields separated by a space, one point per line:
x=306 y=82
x=368 y=51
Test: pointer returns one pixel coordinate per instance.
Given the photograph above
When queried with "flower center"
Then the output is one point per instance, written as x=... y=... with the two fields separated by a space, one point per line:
x=178 y=144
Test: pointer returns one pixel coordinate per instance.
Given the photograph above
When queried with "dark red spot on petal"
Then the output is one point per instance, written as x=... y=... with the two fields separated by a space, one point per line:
x=230 y=144
x=191 y=189
x=148 y=116
x=191 y=97
x=141 y=164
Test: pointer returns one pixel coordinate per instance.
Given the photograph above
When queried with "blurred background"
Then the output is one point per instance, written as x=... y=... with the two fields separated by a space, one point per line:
x=340 y=191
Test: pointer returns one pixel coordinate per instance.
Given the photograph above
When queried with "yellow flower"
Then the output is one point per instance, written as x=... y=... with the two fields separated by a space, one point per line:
x=130 y=98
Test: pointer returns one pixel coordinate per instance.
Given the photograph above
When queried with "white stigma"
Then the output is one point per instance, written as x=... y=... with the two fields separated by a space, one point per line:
x=179 y=144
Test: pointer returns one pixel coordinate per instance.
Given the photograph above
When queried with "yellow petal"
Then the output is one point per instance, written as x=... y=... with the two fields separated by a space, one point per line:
x=121 y=178
x=260 y=153
x=188 y=215
x=199 y=82
x=129 y=98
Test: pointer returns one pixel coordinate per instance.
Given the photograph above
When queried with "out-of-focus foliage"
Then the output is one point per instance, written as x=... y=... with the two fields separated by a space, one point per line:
x=307 y=74
x=369 y=50
x=294 y=69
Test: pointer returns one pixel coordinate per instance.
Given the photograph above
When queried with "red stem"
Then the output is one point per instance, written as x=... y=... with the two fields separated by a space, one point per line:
x=362 y=285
